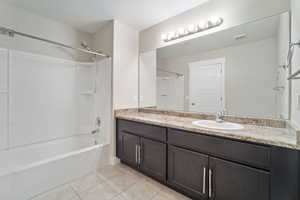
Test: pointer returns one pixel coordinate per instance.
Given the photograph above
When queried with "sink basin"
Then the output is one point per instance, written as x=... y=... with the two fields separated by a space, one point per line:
x=218 y=125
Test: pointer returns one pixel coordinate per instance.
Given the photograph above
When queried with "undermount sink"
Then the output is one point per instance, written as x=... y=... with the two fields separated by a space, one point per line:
x=218 y=125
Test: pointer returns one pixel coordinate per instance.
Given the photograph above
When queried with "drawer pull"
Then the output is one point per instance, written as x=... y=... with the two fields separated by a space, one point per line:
x=204 y=180
x=210 y=183
x=136 y=154
x=139 y=157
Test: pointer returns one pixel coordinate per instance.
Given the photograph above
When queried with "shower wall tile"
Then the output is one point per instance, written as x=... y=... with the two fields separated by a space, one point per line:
x=43 y=98
x=86 y=85
x=3 y=70
x=3 y=121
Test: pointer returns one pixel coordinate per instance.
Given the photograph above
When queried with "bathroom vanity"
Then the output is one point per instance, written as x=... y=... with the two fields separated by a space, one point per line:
x=211 y=164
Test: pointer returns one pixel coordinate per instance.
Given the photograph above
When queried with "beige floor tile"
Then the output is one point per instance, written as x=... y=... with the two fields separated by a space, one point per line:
x=171 y=194
x=141 y=191
x=62 y=193
x=100 y=192
x=161 y=197
x=127 y=169
x=109 y=172
x=87 y=182
x=123 y=182
x=113 y=183
x=120 y=197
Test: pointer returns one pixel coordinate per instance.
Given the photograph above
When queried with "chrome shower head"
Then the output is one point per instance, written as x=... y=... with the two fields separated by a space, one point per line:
x=85 y=45
x=8 y=32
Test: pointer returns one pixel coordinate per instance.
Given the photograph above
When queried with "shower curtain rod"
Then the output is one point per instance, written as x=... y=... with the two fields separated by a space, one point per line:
x=162 y=70
x=12 y=33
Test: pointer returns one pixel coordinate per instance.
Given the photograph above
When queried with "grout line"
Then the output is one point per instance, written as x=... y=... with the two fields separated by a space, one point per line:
x=76 y=193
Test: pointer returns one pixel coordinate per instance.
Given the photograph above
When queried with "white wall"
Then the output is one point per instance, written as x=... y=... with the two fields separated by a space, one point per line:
x=27 y=22
x=125 y=66
x=103 y=38
x=250 y=75
x=234 y=12
x=147 y=73
x=283 y=39
x=295 y=7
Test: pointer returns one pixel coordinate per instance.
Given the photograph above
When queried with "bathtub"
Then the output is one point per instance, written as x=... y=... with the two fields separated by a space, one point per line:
x=28 y=171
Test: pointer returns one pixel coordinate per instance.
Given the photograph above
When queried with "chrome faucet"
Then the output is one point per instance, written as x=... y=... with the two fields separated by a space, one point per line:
x=220 y=116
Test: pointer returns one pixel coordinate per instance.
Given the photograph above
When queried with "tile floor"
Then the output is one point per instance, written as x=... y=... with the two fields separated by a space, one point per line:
x=117 y=182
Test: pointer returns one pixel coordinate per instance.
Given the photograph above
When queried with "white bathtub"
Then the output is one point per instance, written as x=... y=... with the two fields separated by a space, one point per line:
x=28 y=171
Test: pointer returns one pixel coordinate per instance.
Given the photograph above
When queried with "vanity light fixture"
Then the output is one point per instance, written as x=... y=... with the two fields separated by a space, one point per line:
x=181 y=32
x=192 y=29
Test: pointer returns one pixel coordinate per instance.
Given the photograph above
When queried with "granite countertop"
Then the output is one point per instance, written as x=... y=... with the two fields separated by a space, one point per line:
x=281 y=137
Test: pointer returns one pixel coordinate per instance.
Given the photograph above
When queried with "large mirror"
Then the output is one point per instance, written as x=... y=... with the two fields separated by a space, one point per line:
x=241 y=70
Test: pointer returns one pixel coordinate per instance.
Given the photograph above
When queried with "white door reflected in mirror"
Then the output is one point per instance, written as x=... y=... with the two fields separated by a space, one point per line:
x=206 y=86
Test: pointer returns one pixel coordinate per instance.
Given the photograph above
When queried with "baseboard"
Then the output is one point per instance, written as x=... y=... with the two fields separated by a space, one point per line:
x=114 y=160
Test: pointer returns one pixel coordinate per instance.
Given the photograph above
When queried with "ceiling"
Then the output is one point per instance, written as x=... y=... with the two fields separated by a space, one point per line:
x=254 y=31
x=90 y=15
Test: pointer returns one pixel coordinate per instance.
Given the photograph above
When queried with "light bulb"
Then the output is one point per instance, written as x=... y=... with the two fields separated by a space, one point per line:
x=181 y=31
x=171 y=35
x=203 y=25
x=192 y=28
x=215 y=20
x=164 y=36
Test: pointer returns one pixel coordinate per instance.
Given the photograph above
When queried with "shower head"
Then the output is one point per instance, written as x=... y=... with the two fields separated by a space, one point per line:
x=85 y=45
x=8 y=32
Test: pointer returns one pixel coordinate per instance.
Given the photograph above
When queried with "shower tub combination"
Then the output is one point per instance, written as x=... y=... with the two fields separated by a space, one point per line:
x=34 y=120
x=28 y=171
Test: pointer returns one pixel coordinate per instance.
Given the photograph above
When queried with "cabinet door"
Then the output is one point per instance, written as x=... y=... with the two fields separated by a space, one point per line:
x=129 y=148
x=153 y=159
x=187 y=171
x=237 y=182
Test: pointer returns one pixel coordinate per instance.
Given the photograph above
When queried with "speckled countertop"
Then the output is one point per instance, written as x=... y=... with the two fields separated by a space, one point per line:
x=281 y=137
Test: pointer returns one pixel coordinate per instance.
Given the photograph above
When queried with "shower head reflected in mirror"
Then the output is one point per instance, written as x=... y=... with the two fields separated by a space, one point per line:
x=85 y=45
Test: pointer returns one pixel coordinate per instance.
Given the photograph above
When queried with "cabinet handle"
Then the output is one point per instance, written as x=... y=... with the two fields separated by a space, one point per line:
x=204 y=181
x=136 y=154
x=139 y=158
x=210 y=183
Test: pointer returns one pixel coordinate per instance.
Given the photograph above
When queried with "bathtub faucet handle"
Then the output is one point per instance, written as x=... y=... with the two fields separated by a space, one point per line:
x=95 y=131
x=98 y=121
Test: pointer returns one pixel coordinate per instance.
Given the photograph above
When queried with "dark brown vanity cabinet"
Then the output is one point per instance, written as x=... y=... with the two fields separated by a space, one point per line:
x=129 y=145
x=153 y=158
x=187 y=171
x=204 y=177
x=237 y=182
x=145 y=154
x=207 y=167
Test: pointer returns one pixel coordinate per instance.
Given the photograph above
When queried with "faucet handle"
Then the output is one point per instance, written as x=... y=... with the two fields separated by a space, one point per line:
x=224 y=112
x=220 y=115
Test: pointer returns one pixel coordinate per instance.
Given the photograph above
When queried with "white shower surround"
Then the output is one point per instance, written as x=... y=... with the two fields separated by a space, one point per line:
x=30 y=152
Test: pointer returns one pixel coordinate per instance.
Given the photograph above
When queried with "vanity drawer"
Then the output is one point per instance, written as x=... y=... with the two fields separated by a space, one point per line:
x=144 y=130
x=250 y=154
